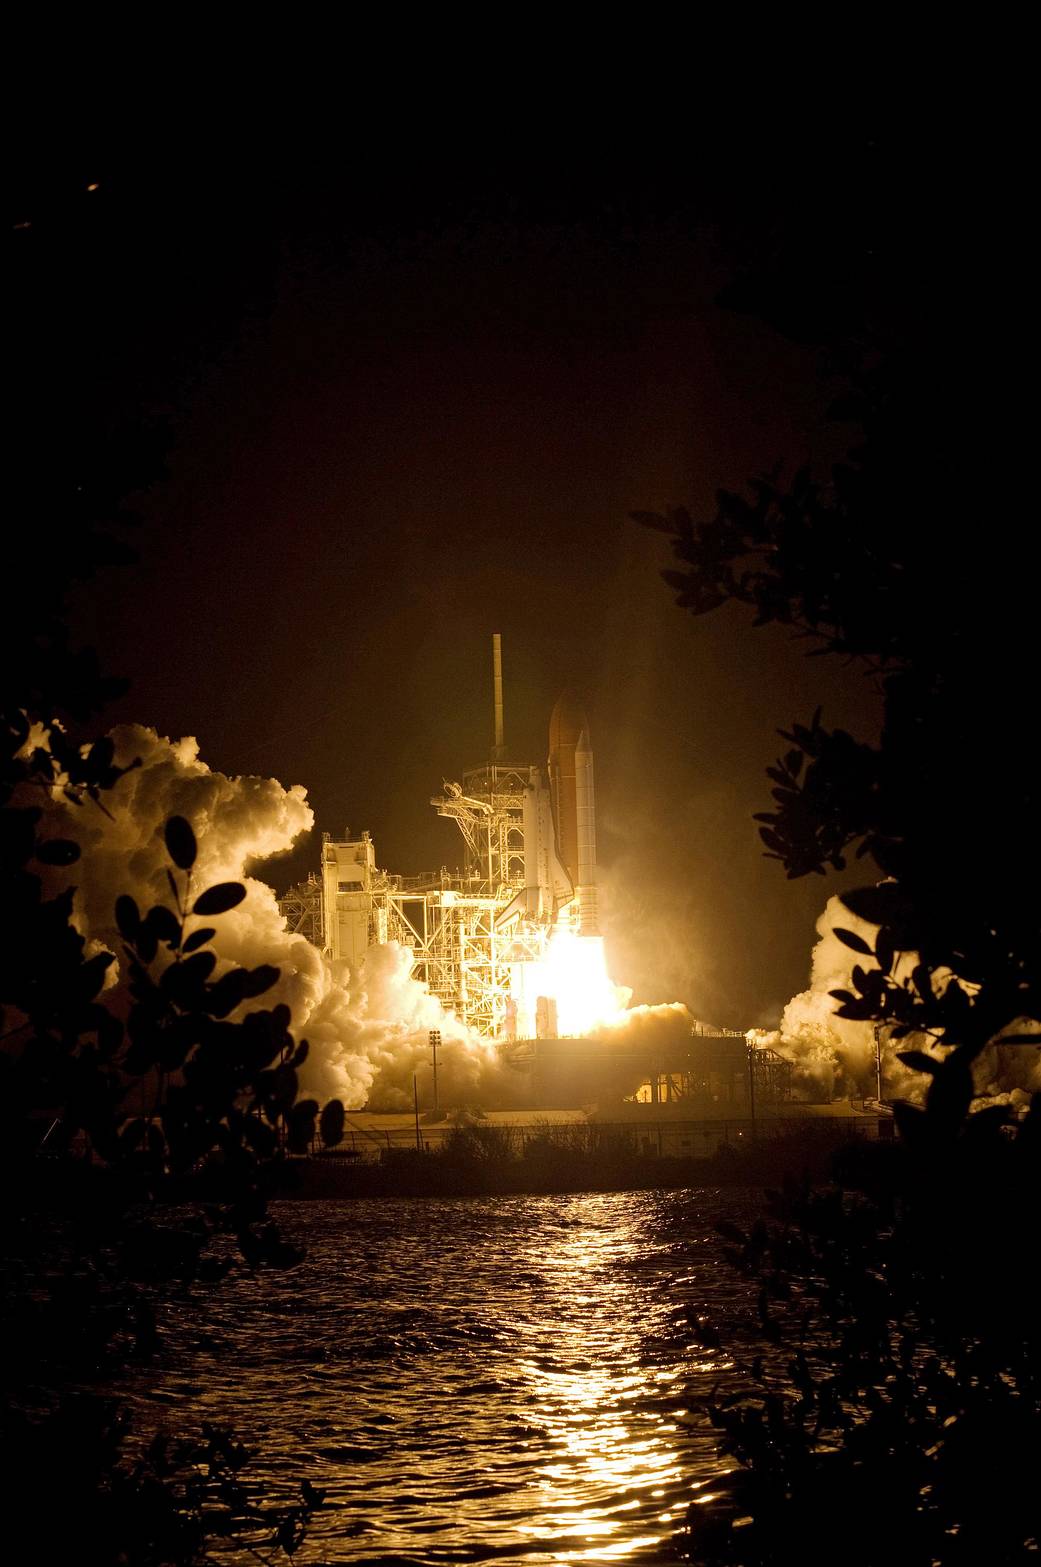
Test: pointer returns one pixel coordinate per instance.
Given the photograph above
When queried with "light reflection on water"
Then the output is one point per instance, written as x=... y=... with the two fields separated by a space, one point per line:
x=494 y=1377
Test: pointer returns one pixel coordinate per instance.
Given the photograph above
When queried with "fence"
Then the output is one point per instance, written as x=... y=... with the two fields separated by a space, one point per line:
x=658 y=1139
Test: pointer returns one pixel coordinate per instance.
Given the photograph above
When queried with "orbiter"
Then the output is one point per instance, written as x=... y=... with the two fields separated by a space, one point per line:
x=560 y=826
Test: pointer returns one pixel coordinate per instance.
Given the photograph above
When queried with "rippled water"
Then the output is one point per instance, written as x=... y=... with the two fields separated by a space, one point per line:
x=472 y=1379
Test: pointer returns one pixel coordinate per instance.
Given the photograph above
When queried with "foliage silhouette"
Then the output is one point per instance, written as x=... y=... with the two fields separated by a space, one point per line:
x=890 y=1396
x=93 y=1236
x=136 y=1133
x=892 y=1400
x=949 y=829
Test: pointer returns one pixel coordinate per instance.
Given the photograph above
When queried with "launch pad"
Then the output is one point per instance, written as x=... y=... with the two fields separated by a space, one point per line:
x=465 y=950
x=509 y=942
x=482 y=937
x=697 y=1072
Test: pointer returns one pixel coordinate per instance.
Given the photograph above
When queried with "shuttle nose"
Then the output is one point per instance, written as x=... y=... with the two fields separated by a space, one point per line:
x=567 y=723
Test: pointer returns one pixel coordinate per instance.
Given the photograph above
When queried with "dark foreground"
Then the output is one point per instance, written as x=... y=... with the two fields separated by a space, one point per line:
x=478 y=1164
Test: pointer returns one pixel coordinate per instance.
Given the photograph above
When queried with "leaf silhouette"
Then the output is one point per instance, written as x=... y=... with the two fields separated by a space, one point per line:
x=849 y=938
x=919 y=1061
x=198 y=938
x=331 y=1123
x=260 y=979
x=219 y=899
x=180 y=842
x=163 y=923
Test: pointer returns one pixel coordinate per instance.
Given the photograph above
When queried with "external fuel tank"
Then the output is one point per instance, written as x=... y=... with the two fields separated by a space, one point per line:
x=574 y=803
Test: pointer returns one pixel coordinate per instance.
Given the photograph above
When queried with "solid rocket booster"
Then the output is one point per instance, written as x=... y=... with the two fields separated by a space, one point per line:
x=574 y=804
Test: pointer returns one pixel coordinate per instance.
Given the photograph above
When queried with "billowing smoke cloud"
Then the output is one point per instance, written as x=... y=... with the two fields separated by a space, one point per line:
x=832 y=1057
x=368 y=1031
x=667 y=1023
x=384 y=1027
x=835 y=1058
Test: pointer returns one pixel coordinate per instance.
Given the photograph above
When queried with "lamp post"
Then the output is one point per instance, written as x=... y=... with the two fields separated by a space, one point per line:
x=878 y=1062
x=435 y=1041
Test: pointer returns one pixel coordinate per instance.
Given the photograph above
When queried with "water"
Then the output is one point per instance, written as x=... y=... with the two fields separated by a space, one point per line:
x=471 y=1379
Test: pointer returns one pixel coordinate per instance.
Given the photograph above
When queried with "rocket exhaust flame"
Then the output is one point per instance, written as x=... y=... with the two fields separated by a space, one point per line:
x=367 y=1022
x=574 y=973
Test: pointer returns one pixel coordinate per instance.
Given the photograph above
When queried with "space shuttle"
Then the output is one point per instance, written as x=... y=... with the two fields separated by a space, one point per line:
x=560 y=827
x=573 y=801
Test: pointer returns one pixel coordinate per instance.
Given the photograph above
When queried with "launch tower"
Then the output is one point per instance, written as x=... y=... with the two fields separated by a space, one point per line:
x=478 y=934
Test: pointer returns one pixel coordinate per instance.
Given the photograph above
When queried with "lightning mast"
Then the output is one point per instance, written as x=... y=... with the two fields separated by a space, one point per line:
x=499 y=748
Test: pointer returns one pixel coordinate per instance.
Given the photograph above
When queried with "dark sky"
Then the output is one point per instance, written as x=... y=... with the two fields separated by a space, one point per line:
x=406 y=408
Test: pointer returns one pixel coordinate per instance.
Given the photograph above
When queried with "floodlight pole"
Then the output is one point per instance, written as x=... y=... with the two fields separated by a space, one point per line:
x=878 y=1062
x=435 y=1040
x=415 y=1101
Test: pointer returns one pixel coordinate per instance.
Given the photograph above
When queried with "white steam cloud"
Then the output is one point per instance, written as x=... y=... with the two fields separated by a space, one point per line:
x=835 y=1058
x=368 y=1028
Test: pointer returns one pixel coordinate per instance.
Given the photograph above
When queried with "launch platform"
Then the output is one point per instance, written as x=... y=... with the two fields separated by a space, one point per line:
x=509 y=943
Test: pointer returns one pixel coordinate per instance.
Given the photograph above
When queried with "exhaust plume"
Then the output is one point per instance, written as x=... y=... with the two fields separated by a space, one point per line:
x=834 y=1057
x=368 y=1028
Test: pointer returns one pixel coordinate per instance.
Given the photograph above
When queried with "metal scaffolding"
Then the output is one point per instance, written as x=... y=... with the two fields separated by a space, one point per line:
x=771 y=1076
x=302 y=908
x=452 y=922
x=488 y=809
x=719 y=1066
x=456 y=950
x=448 y=919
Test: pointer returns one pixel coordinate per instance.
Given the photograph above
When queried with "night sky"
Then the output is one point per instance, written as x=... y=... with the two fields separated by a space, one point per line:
x=409 y=404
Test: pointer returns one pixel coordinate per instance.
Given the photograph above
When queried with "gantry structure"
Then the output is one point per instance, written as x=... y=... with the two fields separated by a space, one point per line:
x=488 y=809
x=451 y=920
x=302 y=910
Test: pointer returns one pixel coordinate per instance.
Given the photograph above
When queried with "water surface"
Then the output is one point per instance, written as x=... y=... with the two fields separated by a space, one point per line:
x=509 y=1378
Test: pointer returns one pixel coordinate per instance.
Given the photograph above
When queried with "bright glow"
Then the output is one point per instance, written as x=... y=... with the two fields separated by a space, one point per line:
x=615 y=1447
x=574 y=974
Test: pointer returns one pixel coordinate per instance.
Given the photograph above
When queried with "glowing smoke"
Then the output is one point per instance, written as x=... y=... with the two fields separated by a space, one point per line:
x=368 y=1031
x=835 y=1058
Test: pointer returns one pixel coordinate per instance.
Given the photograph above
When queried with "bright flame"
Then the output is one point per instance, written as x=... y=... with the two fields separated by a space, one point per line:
x=574 y=974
